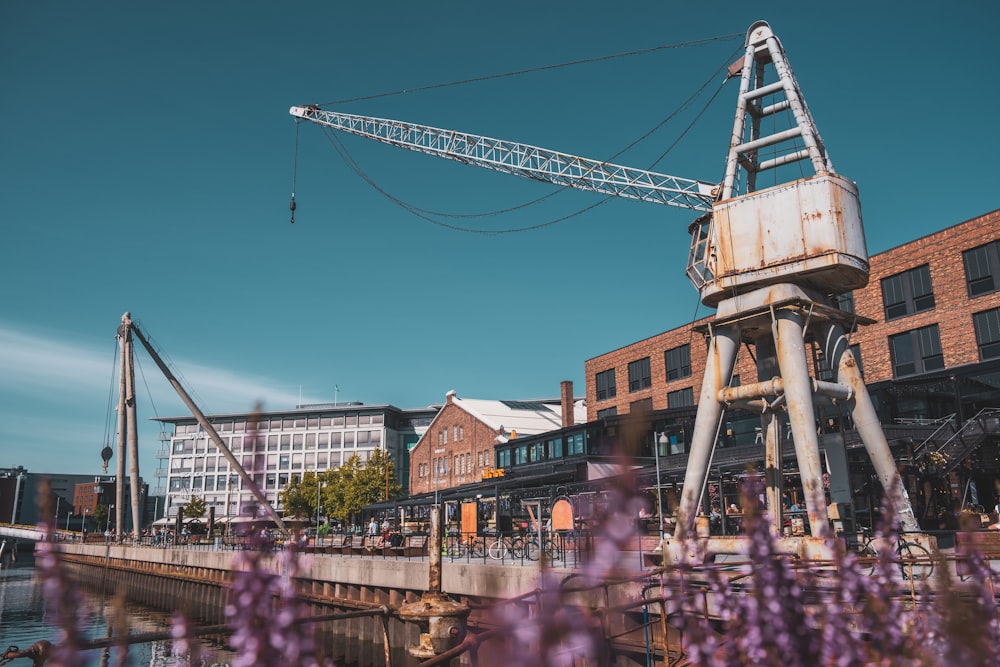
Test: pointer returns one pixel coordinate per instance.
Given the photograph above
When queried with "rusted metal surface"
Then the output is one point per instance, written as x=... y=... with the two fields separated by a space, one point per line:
x=38 y=653
x=866 y=421
x=808 y=232
x=442 y=620
x=719 y=366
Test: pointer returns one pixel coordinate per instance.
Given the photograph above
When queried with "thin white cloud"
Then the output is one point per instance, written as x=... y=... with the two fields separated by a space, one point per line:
x=55 y=392
x=46 y=366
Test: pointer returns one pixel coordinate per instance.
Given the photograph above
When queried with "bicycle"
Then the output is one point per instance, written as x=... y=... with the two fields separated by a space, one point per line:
x=501 y=548
x=461 y=547
x=531 y=548
x=914 y=560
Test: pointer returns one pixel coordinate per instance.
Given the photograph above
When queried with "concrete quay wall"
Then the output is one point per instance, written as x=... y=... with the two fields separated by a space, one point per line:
x=346 y=580
x=196 y=580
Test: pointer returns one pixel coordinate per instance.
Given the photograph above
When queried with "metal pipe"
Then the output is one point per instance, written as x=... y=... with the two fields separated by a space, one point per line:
x=119 y=504
x=434 y=556
x=798 y=393
x=132 y=434
x=867 y=423
x=722 y=350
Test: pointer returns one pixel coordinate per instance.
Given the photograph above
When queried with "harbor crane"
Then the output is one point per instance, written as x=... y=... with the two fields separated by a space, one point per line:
x=128 y=331
x=770 y=260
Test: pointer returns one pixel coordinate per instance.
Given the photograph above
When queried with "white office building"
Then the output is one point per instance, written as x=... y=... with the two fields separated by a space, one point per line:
x=276 y=447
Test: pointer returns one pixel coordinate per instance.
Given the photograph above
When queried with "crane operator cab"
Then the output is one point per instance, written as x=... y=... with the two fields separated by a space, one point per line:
x=806 y=231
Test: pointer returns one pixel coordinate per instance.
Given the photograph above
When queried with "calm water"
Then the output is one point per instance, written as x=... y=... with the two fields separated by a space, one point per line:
x=23 y=621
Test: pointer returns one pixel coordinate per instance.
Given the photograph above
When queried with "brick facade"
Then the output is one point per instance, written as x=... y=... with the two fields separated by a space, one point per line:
x=440 y=461
x=655 y=348
x=952 y=312
x=953 y=309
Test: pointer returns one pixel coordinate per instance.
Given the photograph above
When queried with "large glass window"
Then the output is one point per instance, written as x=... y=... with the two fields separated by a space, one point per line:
x=607 y=412
x=982 y=267
x=916 y=351
x=575 y=444
x=678 y=362
x=503 y=458
x=605 y=383
x=987 y=324
x=520 y=454
x=681 y=398
x=907 y=292
x=638 y=375
x=555 y=448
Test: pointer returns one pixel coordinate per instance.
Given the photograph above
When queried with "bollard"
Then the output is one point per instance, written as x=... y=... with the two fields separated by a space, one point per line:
x=442 y=621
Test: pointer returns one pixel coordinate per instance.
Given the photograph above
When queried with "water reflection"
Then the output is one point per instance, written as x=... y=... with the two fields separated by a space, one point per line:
x=24 y=621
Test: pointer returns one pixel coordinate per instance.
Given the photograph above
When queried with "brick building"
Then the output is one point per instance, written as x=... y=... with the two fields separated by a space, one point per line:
x=930 y=359
x=935 y=302
x=458 y=447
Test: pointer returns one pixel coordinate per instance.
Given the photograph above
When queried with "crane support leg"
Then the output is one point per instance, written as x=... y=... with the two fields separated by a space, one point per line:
x=722 y=349
x=790 y=344
x=867 y=423
x=770 y=426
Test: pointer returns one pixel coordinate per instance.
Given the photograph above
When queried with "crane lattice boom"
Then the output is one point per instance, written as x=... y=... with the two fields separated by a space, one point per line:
x=511 y=157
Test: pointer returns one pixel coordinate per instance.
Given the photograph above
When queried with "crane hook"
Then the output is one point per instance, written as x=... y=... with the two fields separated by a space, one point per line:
x=291 y=207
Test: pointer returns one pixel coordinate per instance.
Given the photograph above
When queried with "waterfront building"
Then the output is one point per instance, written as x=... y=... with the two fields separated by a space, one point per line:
x=931 y=359
x=276 y=447
x=21 y=501
x=101 y=491
x=460 y=445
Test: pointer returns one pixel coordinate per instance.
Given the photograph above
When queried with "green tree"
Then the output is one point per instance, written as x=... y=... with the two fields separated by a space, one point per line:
x=377 y=479
x=357 y=484
x=196 y=508
x=100 y=517
x=298 y=498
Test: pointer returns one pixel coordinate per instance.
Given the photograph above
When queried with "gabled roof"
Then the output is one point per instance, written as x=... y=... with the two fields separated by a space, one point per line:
x=522 y=417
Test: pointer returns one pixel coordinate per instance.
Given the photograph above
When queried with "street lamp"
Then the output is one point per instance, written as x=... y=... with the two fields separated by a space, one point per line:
x=660 y=439
x=107 y=524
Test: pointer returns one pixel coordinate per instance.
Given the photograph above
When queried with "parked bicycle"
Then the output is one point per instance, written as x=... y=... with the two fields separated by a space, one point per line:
x=914 y=560
x=464 y=546
x=503 y=548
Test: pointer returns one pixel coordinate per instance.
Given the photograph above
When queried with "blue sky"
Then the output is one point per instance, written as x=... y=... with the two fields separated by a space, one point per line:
x=146 y=162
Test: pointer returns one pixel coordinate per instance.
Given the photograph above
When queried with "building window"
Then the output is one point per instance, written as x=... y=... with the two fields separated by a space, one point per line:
x=682 y=398
x=521 y=455
x=503 y=458
x=607 y=412
x=844 y=302
x=678 y=362
x=605 y=383
x=907 y=293
x=555 y=448
x=987 y=325
x=575 y=444
x=638 y=375
x=640 y=406
x=916 y=351
x=982 y=266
